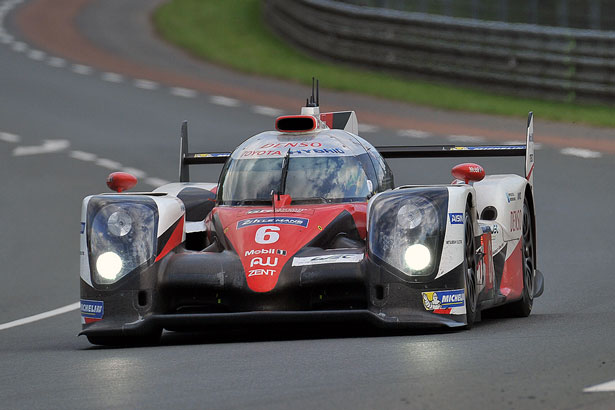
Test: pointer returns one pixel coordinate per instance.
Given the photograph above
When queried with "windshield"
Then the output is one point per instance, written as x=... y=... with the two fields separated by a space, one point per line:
x=309 y=179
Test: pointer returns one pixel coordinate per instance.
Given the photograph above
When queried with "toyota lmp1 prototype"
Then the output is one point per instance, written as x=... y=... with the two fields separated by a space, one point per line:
x=305 y=224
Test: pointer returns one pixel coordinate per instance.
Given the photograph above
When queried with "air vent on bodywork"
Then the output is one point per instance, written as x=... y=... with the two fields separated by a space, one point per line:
x=296 y=123
x=489 y=213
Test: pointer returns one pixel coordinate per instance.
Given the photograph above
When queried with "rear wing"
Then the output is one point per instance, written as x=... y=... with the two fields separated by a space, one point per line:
x=420 y=151
x=454 y=151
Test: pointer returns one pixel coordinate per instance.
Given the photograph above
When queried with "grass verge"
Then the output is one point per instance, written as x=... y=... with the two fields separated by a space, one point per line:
x=232 y=33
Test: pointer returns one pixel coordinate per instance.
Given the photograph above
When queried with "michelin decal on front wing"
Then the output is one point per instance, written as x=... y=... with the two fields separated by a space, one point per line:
x=445 y=302
x=92 y=310
x=323 y=259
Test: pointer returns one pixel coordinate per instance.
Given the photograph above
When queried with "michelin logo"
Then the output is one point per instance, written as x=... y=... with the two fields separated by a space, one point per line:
x=444 y=299
x=92 y=309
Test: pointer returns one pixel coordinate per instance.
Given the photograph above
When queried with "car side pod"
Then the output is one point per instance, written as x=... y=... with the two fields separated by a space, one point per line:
x=468 y=172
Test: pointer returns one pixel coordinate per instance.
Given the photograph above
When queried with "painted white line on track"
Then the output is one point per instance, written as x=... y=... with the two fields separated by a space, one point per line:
x=8 y=137
x=37 y=55
x=466 y=138
x=136 y=172
x=112 y=77
x=56 y=62
x=81 y=69
x=82 y=156
x=156 y=181
x=368 y=128
x=183 y=92
x=146 y=84
x=602 y=387
x=109 y=164
x=47 y=147
x=414 y=134
x=19 y=46
x=41 y=316
x=268 y=111
x=580 y=152
x=225 y=101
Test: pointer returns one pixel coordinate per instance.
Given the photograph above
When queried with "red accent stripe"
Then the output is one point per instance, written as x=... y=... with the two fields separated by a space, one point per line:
x=174 y=240
x=443 y=311
x=530 y=173
x=512 y=277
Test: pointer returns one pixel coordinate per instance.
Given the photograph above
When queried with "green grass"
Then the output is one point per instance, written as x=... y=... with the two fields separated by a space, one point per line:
x=232 y=33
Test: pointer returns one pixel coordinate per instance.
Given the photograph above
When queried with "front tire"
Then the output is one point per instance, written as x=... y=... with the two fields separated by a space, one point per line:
x=469 y=269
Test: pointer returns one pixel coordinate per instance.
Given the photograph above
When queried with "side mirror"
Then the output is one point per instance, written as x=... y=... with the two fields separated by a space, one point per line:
x=121 y=181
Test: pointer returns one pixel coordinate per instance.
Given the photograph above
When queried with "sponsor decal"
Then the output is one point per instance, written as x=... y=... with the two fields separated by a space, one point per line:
x=516 y=219
x=444 y=299
x=279 y=220
x=475 y=169
x=261 y=272
x=313 y=144
x=518 y=195
x=260 y=262
x=278 y=153
x=278 y=210
x=455 y=242
x=211 y=155
x=455 y=218
x=82 y=227
x=92 y=309
x=510 y=196
x=495 y=228
x=265 y=252
x=322 y=259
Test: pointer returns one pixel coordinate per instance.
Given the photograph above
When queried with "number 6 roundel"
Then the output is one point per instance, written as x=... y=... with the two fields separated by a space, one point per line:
x=267 y=234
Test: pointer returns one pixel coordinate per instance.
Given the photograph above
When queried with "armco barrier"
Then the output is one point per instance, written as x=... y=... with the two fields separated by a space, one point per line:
x=553 y=62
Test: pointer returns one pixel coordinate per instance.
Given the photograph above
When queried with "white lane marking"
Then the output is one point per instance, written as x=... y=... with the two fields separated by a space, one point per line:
x=109 y=164
x=414 y=134
x=368 y=128
x=602 y=387
x=183 y=92
x=8 y=137
x=37 y=55
x=580 y=152
x=19 y=46
x=268 y=111
x=156 y=182
x=56 y=62
x=466 y=138
x=134 y=171
x=81 y=69
x=225 y=101
x=112 y=77
x=41 y=316
x=146 y=84
x=47 y=147
x=82 y=156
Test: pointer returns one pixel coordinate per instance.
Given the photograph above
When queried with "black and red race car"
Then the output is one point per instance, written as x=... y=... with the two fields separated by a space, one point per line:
x=305 y=224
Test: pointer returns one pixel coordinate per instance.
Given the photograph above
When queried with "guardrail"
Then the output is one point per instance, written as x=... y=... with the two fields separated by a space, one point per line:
x=552 y=62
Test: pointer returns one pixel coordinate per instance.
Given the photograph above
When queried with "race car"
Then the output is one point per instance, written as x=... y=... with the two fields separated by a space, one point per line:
x=306 y=225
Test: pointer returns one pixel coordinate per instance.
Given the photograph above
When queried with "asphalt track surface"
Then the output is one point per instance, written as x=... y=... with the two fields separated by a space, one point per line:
x=64 y=127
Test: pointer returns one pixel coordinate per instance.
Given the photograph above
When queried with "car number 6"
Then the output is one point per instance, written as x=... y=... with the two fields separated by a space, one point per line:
x=267 y=234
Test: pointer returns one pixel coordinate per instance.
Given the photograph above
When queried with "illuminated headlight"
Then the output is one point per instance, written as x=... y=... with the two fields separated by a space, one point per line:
x=406 y=229
x=109 y=265
x=417 y=257
x=121 y=237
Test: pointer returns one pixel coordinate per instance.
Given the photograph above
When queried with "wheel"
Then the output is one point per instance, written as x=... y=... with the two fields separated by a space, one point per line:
x=469 y=268
x=523 y=307
x=150 y=338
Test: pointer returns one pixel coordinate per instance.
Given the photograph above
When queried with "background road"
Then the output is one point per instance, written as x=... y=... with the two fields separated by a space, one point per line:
x=64 y=125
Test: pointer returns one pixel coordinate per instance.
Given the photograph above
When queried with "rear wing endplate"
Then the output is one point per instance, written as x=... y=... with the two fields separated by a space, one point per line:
x=193 y=158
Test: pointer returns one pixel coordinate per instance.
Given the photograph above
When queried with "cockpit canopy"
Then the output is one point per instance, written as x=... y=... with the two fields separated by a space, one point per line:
x=329 y=166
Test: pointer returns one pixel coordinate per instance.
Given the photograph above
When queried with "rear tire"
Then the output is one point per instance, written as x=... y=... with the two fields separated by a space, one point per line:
x=469 y=269
x=523 y=307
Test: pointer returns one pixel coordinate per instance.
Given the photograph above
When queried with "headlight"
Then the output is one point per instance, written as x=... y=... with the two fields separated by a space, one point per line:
x=406 y=229
x=121 y=236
